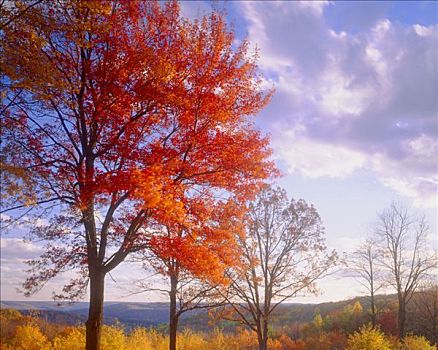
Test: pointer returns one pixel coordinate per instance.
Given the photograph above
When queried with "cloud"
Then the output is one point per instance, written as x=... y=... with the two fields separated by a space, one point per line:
x=14 y=253
x=16 y=248
x=350 y=99
x=313 y=160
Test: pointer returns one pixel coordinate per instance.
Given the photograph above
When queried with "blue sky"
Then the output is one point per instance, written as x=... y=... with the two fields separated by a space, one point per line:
x=353 y=121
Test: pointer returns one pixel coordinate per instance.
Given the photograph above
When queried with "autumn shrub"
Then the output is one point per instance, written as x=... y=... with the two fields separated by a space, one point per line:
x=320 y=342
x=295 y=345
x=30 y=337
x=387 y=322
x=288 y=344
x=241 y=340
x=113 y=338
x=188 y=340
x=72 y=339
x=218 y=340
x=139 y=338
x=416 y=343
x=338 y=340
x=245 y=340
x=368 y=338
x=9 y=320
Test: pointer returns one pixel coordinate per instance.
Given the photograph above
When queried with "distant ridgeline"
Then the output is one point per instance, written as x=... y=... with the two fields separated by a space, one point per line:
x=132 y=314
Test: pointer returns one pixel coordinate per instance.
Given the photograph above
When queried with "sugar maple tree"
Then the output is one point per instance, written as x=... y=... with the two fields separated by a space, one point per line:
x=125 y=115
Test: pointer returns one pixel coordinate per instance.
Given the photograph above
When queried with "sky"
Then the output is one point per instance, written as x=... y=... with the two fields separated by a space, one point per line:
x=353 y=121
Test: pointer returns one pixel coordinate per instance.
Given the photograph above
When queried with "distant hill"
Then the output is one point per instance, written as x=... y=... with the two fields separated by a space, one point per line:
x=152 y=314
x=128 y=313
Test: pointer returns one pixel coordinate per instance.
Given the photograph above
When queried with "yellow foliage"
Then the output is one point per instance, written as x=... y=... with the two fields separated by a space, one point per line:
x=357 y=308
x=144 y=339
x=218 y=340
x=368 y=338
x=30 y=337
x=113 y=338
x=140 y=338
x=317 y=321
x=188 y=340
x=73 y=340
x=10 y=314
x=416 y=343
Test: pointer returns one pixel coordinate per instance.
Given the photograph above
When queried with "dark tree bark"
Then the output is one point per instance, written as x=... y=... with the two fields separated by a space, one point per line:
x=373 y=309
x=173 y=312
x=95 y=314
x=264 y=334
x=401 y=318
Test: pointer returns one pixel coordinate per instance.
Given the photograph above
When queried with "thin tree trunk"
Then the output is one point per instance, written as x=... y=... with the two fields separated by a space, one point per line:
x=401 y=318
x=373 y=309
x=173 y=316
x=435 y=323
x=260 y=341
x=260 y=335
x=265 y=334
x=95 y=313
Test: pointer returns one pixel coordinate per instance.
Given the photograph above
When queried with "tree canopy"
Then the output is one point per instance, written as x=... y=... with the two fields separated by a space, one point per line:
x=124 y=115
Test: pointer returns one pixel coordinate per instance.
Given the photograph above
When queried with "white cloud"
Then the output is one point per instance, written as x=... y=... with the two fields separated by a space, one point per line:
x=407 y=177
x=423 y=30
x=316 y=6
x=314 y=159
x=14 y=253
x=18 y=248
x=339 y=97
x=350 y=100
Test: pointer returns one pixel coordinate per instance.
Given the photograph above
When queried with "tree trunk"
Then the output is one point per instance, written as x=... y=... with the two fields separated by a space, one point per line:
x=260 y=341
x=373 y=310
x=260 y=335
x=173 y=316
x=95 y=313
x=265 y=334
x=435 y=324
x=401 y=319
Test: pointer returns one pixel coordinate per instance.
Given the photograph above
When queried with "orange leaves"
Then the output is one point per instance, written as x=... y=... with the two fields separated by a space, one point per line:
x=130 y=112
x=202 y=242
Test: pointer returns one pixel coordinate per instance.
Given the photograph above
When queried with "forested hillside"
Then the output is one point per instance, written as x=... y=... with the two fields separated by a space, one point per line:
x=153 y=314
x=341 y=328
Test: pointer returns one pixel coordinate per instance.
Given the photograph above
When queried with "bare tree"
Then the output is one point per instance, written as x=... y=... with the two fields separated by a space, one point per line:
x=423 y=311
x=364 y=264
x=282 y=254
x=403 y=239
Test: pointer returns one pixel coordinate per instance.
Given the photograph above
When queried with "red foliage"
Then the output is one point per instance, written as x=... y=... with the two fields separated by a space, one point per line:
x=388 y=322
x=129 y=118
x=149 y=121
